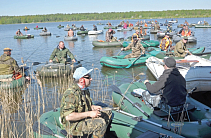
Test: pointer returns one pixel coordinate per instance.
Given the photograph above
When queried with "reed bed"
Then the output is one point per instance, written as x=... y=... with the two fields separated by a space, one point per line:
x=21 y=107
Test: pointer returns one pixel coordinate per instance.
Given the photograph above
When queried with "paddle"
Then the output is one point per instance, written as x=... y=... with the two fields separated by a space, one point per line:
x=117 y=90
x=44 y=130
x=119 y=53
x=37 y=63
x=133 y=62
x=145 y=120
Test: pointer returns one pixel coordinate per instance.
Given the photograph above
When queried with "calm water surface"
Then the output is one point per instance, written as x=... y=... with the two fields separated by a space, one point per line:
x=39 y=49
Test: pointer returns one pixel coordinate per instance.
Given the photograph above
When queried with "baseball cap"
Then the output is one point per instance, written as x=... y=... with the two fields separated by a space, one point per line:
x=80 y=72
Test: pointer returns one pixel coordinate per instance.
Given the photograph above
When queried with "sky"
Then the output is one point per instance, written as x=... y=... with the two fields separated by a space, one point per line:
x=40 y=7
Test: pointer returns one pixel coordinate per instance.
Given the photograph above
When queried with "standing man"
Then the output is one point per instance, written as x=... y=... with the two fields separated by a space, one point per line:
x=78 y=115
x=166 y=43
x=180 y=49
x=60 y=53
x=70 y=33
x=18 y=33
x=8 y=65
x=172 y=85
x=137 y=48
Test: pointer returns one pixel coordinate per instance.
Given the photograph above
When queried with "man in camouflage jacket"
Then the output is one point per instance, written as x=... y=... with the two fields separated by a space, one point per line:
x=78 y=116
x=60 y=53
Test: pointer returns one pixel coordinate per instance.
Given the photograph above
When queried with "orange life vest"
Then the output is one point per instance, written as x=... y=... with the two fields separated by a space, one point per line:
x=167 y=44
x=186 y=33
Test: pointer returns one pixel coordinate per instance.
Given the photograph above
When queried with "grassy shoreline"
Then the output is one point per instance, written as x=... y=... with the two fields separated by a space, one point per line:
x=196 y=13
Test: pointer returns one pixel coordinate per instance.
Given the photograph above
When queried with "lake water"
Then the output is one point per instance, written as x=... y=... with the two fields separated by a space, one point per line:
x=39 y=49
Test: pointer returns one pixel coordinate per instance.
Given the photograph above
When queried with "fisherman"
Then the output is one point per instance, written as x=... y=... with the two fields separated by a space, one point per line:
x=206 y=23
x=67 y=26
x=186 y=32
x=18 y=33
x=95 y=27
x=169 y=28
x=142 y=31
x=8 y=65
x=136 y=34
x=166 y=43
x=109 y=35
x=183 y=28
x=25 y=27
x=180 y=49
x=82 y=28
x=60 y=53
x=137 y=48
x=70 y=33
x=171 y=85
x=44 y=30
x=79 y=116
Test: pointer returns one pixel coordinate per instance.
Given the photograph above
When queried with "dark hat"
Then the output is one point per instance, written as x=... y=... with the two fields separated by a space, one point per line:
x=185 y=37
x=167 y=33
x=170 y=62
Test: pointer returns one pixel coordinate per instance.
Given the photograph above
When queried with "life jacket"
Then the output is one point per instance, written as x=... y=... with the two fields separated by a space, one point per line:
x=167 y=44
x=186 y=33
x=145 y=25
x=100 y=41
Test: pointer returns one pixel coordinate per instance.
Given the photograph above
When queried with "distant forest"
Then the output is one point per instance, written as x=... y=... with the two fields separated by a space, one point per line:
x=105 y=16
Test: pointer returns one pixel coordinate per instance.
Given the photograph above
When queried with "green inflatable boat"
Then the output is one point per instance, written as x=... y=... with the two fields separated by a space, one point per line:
x=107 y=44
x=82 y=32
x=110 y=27
x=56 y=69
x=26 y=29
x=123 y=125
x=23 y=36
x=38 y=28
x=60 y=27
x=120 y=62
x=145 y=37
x=197 y=116
x=148 y=43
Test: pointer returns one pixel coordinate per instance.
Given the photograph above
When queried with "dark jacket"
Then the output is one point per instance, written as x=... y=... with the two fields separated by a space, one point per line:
x=82 y=28
x=95 y=28
x=173 y=85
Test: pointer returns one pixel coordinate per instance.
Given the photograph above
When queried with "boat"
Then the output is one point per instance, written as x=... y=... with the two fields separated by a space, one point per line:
x=100 y=24
x=23 y=36
x=145 y=37
x=181 y=25
x=161 y=34
x=49 y=125
x=56 y=69
x=26 y=29
x=202 y=26
x=82 y=32
x=10 y=83
x=120 y=62
x=122 y=29
x=147 y=43
x=45 y=33
x=95 y=32
x=148 y=27
x=67 y=29
x=38 y=28
x=60 y=27
x=107 y=44
x=152 y=31
x=194 y=69
x=191 y=39
x=173 y=21
x=197 y=119
x=110 y=27
x=67 y=38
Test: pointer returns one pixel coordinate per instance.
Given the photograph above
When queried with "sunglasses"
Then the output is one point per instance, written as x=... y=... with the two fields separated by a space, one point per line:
x=88 y=77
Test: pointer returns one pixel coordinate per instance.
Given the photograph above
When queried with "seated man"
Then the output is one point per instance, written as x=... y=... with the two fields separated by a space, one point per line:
x=67 y=26
x=44 y=30
x=137 y=48
x=142 y=31
x=60 y=53
x=8 y=65
x=109 y=35
x=70 y=33
x=183 y=28
x=95 y=28
x=206 y=23
x=166 y=43
x=25 y=27
x=79 y=116
x=180 y=49
x=172 y=85
x=82 y=28
x=186 y=32
x=136 y=34
x=18 y=33
x=169 y=28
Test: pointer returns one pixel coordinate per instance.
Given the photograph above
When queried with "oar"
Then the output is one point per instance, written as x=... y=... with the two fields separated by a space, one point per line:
x=145 y=43
x=119 y=53
x=44 y=130
x=145 y=120
x=37 y=63
x=133 y=62
x=117 y=90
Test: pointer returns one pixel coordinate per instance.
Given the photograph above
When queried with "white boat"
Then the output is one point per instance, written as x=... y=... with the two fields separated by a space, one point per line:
x=67 y=38
x=191 y=39
x=161 y=34
x=195 y=70
x=45 y=33
x=173 y=21
x=95 y=32
x=122 y=29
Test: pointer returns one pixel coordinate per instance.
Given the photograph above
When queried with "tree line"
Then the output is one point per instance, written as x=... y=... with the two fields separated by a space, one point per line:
x=105 y=16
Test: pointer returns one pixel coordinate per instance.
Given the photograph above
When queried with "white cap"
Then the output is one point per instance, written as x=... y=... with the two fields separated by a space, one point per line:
x=80 y=72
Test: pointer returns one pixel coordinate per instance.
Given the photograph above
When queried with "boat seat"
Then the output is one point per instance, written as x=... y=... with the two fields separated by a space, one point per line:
x=162 y=113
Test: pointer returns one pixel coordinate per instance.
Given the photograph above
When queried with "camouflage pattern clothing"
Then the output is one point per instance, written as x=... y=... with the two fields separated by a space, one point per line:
x=180 y=49
x=137 y=49
x=8 y=65
x=77 y=100
x=60 y=55
x=109 y=36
